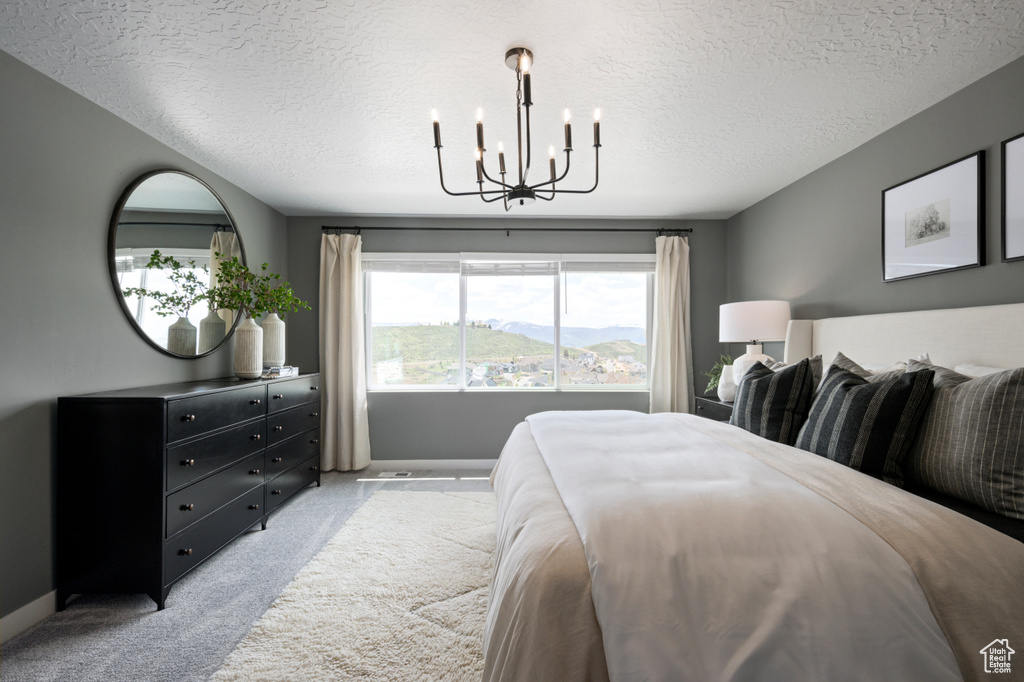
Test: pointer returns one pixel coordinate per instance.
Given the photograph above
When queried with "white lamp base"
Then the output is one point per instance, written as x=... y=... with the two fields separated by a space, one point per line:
x=742 y=364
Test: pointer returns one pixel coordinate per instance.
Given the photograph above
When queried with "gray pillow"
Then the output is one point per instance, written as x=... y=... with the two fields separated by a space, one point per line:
x=868 y=426
x=849 y=365
x=815 y=363
x=774 y=404
x=971 y=442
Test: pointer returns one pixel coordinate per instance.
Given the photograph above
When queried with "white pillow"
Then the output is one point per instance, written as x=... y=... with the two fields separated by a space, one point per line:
x=975 y=371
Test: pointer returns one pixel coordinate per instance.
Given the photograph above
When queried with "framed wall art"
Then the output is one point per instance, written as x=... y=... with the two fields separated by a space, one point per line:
x=1013 y=198
x=935 y=222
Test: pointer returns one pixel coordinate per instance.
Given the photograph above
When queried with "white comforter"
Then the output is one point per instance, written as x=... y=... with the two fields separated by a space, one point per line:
x=794 y=578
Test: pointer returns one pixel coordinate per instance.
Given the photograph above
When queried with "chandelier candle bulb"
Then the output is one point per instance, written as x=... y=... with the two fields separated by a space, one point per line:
x=437 y=130
x=568 y=132
x=479 y=167
x=527 y=91
x=480 y=129
x=597 y=127
x=551 y=151
x=501 y=157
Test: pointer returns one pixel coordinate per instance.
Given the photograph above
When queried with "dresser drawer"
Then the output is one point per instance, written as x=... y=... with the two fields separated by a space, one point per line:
x=204 y=538
x=195 y=459
x=187 y=417
x=284 y=425
x=200 y=499
x=291 y=392
x=291 y=452
x=292 y=481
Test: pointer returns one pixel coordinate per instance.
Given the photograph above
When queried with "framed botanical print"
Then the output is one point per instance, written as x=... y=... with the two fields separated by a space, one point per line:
x=935 y=222
x=1013 y=198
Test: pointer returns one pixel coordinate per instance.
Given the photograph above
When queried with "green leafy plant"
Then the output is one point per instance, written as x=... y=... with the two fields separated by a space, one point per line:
x=282 y=299
x=714 y=375
x=189 y=288
x=251 y=293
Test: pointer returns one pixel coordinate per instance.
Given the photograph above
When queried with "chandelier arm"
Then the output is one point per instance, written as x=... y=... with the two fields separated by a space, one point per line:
x=496 y=182
x=559 y=178
x=596 y=178
x=460 y=194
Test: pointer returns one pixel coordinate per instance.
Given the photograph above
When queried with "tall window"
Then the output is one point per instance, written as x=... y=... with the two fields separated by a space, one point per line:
x=486 y=321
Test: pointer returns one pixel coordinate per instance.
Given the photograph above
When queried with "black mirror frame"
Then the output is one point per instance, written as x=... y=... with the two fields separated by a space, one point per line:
x=112 y=265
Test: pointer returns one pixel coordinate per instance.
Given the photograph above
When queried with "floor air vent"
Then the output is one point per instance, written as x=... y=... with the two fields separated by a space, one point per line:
x=394 y=474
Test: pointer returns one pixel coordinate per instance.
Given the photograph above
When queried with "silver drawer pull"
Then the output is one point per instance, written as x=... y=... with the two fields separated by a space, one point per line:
x=279 y=428
x=314 y=468
x=185 y=552
x=254 y=472
x=314 y=441
x=254 y=436
x=187 y=507
x=188 y=417
x=277 y=460
x=278 y=396
x=257 y=401
x=314 y=414
x=314 y=388
x=188 y=462
x=275 y=492
x=254 y=507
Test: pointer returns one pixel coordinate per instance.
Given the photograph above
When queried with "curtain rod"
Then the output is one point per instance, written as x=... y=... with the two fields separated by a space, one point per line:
x=220 y=227
x=507 y=230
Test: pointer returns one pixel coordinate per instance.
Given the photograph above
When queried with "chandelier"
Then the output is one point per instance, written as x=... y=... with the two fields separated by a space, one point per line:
x=519 y=59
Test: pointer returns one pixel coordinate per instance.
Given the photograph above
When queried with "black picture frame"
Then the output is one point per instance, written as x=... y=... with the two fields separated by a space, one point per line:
x=935 y=222
x=1011 y=228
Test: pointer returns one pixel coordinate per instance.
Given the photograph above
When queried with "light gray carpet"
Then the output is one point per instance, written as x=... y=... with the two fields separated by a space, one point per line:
x=124 y=637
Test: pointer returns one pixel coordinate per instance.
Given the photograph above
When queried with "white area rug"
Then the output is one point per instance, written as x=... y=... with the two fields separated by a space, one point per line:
x=398 y=594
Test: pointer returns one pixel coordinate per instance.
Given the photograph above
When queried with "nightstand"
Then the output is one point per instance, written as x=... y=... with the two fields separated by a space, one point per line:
x=712 y=408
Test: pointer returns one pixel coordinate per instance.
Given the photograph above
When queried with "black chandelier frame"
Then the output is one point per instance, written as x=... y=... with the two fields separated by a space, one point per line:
x=519 y=59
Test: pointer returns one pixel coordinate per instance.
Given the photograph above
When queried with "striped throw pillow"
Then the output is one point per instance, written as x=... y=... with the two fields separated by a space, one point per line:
x=868 y=426
x=971 y=444
x=774 y=404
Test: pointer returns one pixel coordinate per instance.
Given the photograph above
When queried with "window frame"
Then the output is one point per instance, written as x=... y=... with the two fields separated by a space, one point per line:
x=455 y=261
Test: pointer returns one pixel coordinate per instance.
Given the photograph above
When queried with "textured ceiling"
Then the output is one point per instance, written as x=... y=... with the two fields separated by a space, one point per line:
x=323 y=106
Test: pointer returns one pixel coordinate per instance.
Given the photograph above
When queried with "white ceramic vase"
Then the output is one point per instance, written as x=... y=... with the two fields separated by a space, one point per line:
x=726 y=385
x=181 y=337
x=212 y=329
x=273 y=340
x=248 y=350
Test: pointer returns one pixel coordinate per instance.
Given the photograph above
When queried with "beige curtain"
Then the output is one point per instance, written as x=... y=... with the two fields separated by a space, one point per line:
x=226 y=244
x=346 y=432
x=671 y=364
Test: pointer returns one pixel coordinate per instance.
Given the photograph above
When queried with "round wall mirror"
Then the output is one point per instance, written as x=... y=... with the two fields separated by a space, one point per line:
x=168 y=235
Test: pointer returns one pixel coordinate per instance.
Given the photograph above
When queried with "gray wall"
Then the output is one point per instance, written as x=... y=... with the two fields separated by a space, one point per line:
x=818 y=241
x=425 y=425
x=65 y=162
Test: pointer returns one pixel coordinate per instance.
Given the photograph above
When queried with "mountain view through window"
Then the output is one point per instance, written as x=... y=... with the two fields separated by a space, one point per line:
x=514 y=334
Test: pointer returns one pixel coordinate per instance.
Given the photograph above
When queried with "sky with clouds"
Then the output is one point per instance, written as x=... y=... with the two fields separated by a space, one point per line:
x=592 y=299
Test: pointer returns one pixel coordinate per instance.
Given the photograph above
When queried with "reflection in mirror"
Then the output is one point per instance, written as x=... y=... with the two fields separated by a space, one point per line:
x=164 y=235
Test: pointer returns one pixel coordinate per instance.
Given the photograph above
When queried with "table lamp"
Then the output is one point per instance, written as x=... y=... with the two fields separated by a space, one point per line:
x=752 y=322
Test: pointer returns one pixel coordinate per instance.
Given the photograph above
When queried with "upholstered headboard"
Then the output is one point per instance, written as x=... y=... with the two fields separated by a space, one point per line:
x=987 y=335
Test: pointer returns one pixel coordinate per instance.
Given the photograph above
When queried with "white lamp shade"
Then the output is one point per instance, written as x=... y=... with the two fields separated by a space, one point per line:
x=753 y=321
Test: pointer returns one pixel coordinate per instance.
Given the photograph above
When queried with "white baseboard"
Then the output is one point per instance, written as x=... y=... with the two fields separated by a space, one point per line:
x=422 y=464
x=28 y=615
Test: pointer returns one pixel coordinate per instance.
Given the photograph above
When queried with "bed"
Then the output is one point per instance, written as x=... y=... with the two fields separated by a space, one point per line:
x=670 y=547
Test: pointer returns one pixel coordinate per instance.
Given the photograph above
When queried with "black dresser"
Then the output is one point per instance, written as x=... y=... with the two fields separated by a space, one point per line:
x=153 y=481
